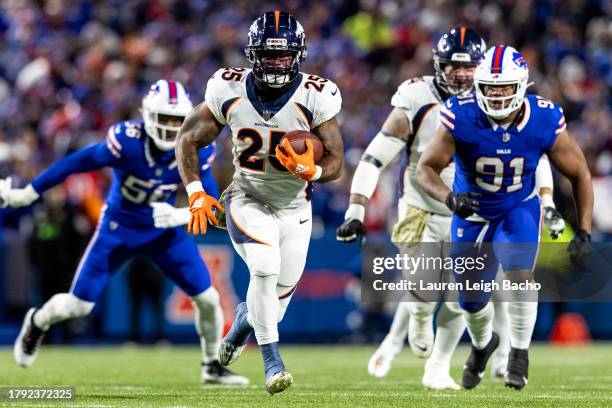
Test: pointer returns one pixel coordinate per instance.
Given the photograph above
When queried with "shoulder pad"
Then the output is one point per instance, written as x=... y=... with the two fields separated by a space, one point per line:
x=123 y=134
x=327 y=98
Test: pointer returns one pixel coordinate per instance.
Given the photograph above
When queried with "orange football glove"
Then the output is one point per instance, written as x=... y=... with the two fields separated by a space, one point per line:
x=300 y=165
x=201 y=209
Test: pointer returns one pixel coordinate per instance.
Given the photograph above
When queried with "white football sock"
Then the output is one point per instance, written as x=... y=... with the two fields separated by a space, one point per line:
x=208 y=322
x=522 y=317
x=480 y=325
x=450 y=328
x=422 y=313
x=399 y=328
x=60 y=307
x=501 y=326
x=263 y=307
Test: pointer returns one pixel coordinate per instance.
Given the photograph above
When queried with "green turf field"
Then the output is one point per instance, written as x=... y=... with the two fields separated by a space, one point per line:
x=324 y=376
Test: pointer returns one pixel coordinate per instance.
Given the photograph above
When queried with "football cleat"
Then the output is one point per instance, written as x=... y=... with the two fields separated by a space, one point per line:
x=279 y=382
x=215 y=373
x=498 y=370
x=518 y=367
x=498 y=366
x=421 y=337
x=236 y=338
x=380 y=362
x=437 y=377
x=277 y=378
x=28 y=341
x=475 y=366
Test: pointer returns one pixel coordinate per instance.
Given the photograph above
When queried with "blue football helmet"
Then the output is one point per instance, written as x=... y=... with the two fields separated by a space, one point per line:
x=460 y=46
x=276 y=34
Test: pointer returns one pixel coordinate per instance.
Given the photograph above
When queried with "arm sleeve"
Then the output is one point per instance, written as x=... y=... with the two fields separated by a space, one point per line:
x=544 y=177
x=379 y=153
x=88 y=159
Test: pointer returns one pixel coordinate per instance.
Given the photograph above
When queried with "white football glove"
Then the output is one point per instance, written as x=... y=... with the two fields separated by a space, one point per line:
x=554 y=221
x=16 y=197
x=168 y=216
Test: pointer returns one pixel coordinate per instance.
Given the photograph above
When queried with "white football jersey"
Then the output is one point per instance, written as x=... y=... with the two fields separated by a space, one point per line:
x=421 y=102
x=258 y=127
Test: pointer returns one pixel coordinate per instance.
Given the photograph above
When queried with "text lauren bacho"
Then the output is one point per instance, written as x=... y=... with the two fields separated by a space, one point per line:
x=480 y=286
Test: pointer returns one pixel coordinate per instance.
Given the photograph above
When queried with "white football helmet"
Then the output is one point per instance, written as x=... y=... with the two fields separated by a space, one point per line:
x=165 y=97
x=501 y=65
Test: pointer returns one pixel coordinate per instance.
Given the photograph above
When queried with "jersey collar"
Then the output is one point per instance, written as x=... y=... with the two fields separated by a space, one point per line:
x=270 y=108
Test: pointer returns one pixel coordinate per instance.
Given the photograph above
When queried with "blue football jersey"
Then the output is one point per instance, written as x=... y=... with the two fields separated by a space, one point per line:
x=142 y=174
x=496 y=162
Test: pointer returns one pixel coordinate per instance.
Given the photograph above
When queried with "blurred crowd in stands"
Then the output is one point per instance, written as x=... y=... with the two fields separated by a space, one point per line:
x=69 y=69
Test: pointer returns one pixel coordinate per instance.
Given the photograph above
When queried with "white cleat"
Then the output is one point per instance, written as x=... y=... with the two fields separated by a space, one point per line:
x=279 y=382
x=380 y=362
x=421 y=337
x=215 y=373
x=498 y=368
x=28 y=341
x=437 y=377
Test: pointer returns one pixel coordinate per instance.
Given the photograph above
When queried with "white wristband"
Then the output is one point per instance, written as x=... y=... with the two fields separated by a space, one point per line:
x=356 y=211
x=547 y=200
x=194 y=187
x=318 y=172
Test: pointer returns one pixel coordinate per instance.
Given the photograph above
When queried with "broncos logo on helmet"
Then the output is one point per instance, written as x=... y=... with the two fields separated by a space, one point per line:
x=276 y=36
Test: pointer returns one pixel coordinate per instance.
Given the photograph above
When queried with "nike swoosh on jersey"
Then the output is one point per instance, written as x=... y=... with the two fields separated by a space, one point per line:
x=303 y=221
x=335 y=92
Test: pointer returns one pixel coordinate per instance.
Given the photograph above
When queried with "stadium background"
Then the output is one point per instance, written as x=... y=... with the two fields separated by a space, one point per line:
x=69 y=69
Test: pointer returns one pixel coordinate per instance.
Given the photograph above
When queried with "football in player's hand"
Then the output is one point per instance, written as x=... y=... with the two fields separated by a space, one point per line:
x=297 y=139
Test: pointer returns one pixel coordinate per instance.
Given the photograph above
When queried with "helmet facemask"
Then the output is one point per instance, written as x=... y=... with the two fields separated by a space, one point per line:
x=453 y=81
x=162 y=128
x=275 y=68
x=500 y=105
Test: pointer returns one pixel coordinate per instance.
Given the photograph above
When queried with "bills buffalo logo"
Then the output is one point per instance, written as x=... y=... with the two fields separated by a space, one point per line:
x=154 y=89
x=519 y=60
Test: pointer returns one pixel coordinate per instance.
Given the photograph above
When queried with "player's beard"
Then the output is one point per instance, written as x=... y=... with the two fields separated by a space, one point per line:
x=459 y=86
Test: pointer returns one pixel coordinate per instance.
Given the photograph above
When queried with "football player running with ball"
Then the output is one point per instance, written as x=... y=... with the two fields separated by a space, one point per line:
x=138 y=218
x=267 y=206
x=497 y=135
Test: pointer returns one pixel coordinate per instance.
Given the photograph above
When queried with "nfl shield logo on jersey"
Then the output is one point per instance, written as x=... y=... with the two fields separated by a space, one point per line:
x=506 y=137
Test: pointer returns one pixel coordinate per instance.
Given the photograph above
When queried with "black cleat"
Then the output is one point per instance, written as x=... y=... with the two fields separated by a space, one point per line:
x=475 y=366
x=29 y=340
x=518 y=368
x=215 y=373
